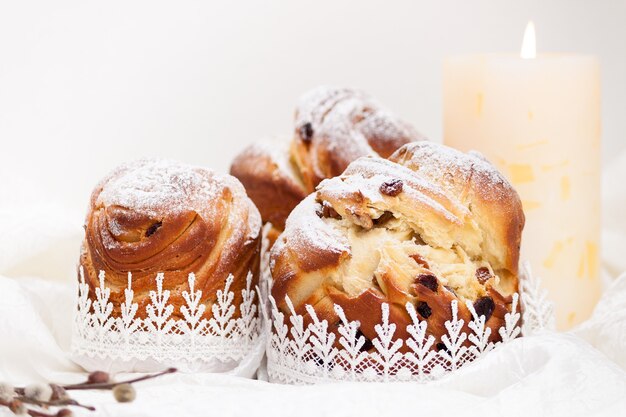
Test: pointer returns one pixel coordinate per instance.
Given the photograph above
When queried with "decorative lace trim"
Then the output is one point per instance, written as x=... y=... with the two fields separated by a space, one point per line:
x=160 y=337
x=299 y=354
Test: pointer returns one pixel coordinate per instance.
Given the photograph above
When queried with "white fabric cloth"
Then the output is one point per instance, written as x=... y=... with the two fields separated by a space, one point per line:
x=579 y=373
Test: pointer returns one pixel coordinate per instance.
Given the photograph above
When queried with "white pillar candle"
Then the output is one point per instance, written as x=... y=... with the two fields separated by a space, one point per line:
x=537 y=119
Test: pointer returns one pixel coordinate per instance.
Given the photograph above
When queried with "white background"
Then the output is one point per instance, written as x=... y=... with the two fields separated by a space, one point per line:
x=87 y=85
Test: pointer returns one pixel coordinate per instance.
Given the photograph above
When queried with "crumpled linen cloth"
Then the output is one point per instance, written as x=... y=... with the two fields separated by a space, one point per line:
x=578 y=373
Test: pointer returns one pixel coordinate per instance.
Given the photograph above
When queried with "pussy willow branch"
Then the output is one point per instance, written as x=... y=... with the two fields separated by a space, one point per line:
x=110 y=385
x=33 y=413
x=71 y=402
x=107 y=385
x=55 y=403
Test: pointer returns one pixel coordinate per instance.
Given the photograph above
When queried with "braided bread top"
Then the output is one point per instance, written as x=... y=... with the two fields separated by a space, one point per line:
x=152 y=216
x=427 y=226
x=333 y=127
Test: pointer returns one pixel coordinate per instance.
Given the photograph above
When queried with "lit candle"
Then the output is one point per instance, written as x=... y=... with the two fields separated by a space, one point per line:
x=538 y=119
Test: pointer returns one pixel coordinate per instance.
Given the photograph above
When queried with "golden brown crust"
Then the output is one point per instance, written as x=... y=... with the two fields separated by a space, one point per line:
x=333 y=127
x=270 y=182
x=494 y=203
x=427 y=227
x=154 y=216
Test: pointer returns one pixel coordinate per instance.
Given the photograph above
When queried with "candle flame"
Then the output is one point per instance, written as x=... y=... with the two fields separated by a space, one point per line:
x=529 y=45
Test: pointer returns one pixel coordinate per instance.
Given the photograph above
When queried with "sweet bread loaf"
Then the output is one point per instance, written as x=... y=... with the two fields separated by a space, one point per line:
x=428 y=226
x=333 y=127
x=272 y=182
x=153 y=216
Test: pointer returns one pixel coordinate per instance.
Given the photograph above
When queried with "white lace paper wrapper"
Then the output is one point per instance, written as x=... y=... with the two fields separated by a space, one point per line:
x=226 y=342
x=299 y=354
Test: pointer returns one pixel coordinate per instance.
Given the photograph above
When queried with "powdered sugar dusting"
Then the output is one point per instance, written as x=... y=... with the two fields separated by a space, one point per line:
x=151 y=185
x=276 y=152
x=365 y=175
x=310 y=233
x=362 y=230
x=352 y=121
x=440 y=163
x=314 y=105
x=433 y=202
